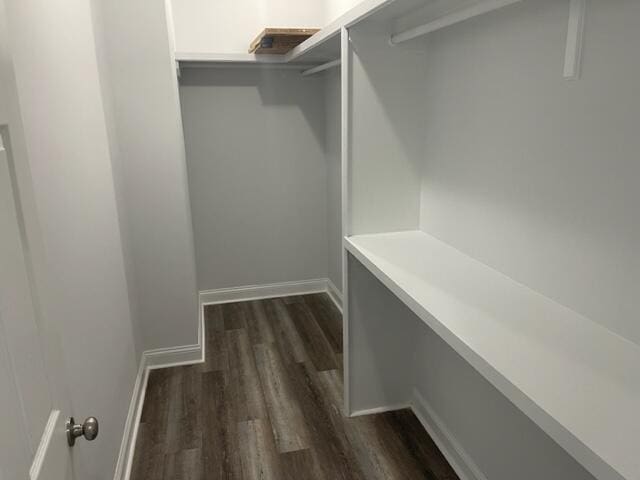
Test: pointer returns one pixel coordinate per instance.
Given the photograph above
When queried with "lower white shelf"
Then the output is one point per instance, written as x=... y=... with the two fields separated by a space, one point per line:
x=575 y=379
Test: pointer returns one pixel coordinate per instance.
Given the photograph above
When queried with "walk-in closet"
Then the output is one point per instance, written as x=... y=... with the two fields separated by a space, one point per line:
x=278 y=240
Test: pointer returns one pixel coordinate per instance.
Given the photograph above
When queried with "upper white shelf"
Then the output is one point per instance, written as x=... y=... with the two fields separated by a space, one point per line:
x=228 y=57
x=578 y=381
x=325 y=45
x=322 y=47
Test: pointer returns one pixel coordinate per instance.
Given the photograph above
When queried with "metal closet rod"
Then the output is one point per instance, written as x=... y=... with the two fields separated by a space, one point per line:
x=450 y=19
x=320 y=68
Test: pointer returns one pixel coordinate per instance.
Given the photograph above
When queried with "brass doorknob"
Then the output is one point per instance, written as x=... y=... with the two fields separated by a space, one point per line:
x=88 y=430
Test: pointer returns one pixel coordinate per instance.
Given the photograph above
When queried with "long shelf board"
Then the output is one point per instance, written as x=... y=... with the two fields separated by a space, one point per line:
x=237 y=60
x=324 y=46
x=321 y=47
x=228 y=58
x=575 y=379
x=330 y=34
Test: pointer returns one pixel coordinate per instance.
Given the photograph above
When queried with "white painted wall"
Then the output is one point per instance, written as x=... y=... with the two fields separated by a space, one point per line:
x=334 y=175
x=534 y=175
x=147 y=149
x=64 y=172
x=387 y=107
x=336 y=8
x=229 y=26
x=117 y=165
x=257 y=175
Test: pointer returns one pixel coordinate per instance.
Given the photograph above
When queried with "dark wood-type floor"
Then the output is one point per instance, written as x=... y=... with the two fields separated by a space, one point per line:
x=267 y=404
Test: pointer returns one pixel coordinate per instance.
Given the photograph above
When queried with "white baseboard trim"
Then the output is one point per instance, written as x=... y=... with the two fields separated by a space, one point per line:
x=128 y=444
x=452 y=450
x=272 y=290
x=173 y=357
x=334 y=294
x=257 y=292
x=455 y=454
x=152 y=359
x=383 y=409
x=191 y=354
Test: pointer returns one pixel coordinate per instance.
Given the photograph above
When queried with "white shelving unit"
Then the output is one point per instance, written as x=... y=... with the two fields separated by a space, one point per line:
x=409 y=19
x=573 y=378
x=324 y=46
x=567 y=373
x=577 y=381
x=236 y=60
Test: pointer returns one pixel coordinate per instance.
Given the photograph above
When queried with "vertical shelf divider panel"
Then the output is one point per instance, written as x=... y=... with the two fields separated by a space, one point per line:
x=345 y=141
x=383 y=94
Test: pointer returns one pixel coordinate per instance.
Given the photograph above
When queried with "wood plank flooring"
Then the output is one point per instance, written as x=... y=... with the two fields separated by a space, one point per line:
x=267 y=405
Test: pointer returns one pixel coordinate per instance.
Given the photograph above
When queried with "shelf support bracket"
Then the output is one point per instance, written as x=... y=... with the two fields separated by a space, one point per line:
x=575 y=37
x=479 y=8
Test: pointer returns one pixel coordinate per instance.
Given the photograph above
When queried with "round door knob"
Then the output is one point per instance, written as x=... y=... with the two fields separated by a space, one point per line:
x=88 y=430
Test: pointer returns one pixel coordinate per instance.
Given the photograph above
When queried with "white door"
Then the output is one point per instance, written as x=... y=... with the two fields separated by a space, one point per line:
x=33 y=440
x=69 y=344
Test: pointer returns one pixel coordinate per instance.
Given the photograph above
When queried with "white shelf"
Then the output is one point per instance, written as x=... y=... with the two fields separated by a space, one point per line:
x=237 y=60
x=578 y=381
x=322 y=47
x=228 y=57
x=325 y=45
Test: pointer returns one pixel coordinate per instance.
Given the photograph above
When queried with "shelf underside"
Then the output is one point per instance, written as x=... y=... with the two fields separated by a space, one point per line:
x=578 y=381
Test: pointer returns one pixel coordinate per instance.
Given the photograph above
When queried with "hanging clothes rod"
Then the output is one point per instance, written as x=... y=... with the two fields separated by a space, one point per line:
x=320 y=68
x=450 y=19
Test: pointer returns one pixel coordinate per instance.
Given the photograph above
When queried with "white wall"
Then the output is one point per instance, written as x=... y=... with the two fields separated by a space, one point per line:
x=147 y=148
x=229 y=26
x=117 y=165
x=336 y=8
x=532 y=174
x=257 y=175
x=65 y=177
x=334 y=175
x=387 y=108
